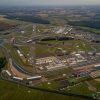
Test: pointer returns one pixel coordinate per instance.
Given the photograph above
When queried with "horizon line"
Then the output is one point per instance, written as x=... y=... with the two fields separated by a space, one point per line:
x=48 y=5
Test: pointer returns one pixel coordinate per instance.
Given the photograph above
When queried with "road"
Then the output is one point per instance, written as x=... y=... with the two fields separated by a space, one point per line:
x=14 y=62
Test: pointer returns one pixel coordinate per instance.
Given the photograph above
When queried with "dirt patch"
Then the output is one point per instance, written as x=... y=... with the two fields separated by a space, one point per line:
x=97 y=79
x=5 y=26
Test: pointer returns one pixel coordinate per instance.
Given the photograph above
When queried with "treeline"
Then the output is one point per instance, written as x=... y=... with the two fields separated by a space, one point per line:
x=90 y=23
x=2 y=62
x=57 y=38
x=29 y=18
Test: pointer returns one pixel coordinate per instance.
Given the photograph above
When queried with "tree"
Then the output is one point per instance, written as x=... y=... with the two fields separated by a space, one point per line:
x=2 y=62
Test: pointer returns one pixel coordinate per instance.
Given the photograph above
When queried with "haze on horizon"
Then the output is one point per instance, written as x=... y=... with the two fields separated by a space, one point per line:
x=48 y=2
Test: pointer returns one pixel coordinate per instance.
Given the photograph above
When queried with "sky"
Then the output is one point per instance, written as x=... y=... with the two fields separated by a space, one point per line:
x=49 y=2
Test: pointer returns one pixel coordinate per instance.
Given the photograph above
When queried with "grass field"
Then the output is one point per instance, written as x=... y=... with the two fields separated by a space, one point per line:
x=49 y=85
x=81 y=88
x=10 y=91
x=68 y=45
x=95 y=83
x=58 y=73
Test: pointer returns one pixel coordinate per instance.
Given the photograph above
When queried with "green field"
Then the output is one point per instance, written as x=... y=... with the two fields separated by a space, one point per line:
x=95 y=84
x=58 y=73
x=68 y=45
x=49 y=85
x=10 y=91
x=81 y=88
